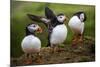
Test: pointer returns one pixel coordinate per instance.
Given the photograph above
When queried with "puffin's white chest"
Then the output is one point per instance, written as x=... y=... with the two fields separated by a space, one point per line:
x=31 y=44
x=76 y=25
x=58 y=34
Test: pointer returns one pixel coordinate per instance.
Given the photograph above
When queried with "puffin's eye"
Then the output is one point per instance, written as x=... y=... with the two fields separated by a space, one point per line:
x=60 y=17
x=34 y=25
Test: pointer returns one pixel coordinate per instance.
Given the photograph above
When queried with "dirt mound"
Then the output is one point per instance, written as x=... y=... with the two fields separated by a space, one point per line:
x=84 y=52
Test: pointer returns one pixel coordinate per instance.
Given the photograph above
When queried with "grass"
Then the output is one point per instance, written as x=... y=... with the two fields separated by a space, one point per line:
x=19 y=20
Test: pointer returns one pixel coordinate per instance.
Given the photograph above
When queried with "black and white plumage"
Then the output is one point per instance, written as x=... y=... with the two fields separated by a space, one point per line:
x=57 y=30
x=31 y=44
x=76 y=23
x=37 y=18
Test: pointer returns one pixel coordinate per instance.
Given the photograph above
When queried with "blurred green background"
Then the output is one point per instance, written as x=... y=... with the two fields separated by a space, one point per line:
x=19 y=21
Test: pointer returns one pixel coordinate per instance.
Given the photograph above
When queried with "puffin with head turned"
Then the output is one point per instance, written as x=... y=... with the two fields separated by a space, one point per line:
x=57 y=30
x=31 y=44
x=76 y=23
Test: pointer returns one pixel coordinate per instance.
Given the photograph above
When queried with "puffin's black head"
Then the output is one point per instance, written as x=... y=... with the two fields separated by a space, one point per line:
x=81 y=15
x=61 y=18
x=32 y=28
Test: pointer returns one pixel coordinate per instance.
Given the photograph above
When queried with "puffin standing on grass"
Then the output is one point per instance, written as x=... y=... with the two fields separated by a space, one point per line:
x=57 y=30
x=76 y=23
x=31 y=44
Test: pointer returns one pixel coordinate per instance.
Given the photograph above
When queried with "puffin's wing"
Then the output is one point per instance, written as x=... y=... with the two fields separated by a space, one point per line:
x=49 y=13
x=38 y=18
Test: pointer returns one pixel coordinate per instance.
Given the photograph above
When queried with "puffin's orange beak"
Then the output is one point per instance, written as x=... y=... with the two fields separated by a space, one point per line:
x=66 y=19
x=39 y=30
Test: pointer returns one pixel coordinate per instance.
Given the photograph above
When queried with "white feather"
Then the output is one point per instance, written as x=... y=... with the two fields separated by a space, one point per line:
x=76 y=25
x=58 y=34
x=31 y=44
x=45 y=20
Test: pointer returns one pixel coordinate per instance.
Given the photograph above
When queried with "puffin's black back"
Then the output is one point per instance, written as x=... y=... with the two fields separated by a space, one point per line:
x=60 y=14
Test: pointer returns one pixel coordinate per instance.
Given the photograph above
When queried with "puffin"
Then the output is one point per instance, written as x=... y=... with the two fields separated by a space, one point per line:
x=57 y=30
x=31 y=44
x=76 y=24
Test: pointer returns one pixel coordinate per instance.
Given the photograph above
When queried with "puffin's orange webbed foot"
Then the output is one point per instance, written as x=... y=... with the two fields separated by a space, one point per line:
x=75 y=41
x=80 y=39
x=39 y=61
x=28 y=61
